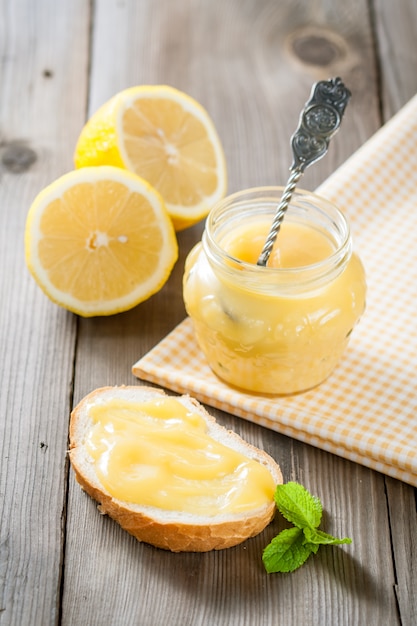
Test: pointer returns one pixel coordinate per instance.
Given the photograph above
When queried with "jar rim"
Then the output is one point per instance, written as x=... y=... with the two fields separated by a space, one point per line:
x=259 y=193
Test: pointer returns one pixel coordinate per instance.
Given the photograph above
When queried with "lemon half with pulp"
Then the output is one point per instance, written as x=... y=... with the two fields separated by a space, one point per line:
x=99 y=241
x=164 y=136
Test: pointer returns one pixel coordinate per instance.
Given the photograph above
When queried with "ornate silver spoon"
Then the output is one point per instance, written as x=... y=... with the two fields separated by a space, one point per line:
x=319 y=120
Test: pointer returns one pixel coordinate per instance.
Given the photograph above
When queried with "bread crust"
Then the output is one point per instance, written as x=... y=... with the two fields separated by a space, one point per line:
x=173 y=531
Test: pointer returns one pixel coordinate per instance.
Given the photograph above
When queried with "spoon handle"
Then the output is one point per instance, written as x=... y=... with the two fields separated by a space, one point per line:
x=296 y=174
x=319 y=121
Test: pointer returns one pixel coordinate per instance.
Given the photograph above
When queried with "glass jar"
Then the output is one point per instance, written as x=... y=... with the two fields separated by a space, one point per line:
x=282 y=329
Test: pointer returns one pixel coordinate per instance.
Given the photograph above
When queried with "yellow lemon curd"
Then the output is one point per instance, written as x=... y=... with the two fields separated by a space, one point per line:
x=159 y=453
x=280 y=329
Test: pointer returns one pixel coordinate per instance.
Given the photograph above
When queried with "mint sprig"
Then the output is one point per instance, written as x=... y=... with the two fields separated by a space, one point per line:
x=292 y=547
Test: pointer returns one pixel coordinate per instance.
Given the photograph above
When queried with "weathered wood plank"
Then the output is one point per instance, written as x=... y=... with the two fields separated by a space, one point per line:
x=39 y=68
x=403 y=524
x=248 y=63
x=396 y=31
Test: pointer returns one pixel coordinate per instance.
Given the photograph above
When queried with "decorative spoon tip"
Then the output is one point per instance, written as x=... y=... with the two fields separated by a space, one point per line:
x=319 y=121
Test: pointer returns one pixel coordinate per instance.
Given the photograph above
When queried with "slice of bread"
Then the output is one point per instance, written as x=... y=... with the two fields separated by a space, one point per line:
x=171 y=530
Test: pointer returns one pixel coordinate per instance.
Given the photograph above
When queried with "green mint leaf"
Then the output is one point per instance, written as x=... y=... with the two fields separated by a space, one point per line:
x=297 y=505
x=314 y=547
x=286 y=552
x=292 y=547
x=318 y=537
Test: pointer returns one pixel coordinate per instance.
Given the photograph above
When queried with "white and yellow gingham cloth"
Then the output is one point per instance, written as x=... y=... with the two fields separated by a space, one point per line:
x=367 y=410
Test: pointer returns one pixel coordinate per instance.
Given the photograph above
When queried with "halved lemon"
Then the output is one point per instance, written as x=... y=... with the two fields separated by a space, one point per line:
x=99 y=241
x=164 y=136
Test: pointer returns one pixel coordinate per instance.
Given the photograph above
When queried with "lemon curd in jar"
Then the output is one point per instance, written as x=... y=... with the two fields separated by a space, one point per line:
x=279 y=329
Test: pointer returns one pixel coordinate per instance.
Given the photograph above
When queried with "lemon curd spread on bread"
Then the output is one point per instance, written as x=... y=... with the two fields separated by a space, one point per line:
x=164 y=469
x=159 y=453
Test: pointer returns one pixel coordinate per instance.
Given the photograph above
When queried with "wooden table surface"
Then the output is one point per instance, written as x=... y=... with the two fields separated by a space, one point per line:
x=251 y=63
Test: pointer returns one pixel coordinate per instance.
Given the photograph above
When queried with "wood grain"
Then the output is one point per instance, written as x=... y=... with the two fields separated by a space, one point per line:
x=251 y=63
x=39 y=66
x=396 y=29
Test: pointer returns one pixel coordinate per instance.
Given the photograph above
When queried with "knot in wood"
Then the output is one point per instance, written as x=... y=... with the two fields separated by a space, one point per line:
x=320 y=47
x=18 y=157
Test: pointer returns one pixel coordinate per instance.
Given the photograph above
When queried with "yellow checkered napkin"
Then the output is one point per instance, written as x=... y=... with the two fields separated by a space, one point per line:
x=367 y=410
